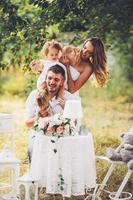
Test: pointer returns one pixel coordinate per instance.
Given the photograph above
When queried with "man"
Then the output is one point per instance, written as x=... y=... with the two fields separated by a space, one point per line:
x=55 y=81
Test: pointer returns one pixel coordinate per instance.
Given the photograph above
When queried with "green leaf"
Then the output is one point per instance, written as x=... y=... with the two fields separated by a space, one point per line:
x=52 y=141
x=62 y=182
x=55 y=150
x=61 y=188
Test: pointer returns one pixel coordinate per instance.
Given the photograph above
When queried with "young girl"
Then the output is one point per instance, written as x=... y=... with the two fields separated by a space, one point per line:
x=50 y=54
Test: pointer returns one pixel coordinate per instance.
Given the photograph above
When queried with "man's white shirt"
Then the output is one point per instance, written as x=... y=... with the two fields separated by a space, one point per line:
x=31 y=105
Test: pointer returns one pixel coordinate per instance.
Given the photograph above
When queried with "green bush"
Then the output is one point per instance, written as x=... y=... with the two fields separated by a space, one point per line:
x=17 y=82
x=14 y=86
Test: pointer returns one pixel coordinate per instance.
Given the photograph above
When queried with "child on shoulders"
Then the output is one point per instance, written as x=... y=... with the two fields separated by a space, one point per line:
x=50 y=55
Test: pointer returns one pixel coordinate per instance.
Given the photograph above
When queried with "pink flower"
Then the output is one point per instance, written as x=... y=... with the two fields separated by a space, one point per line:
x=60 y=130
x=50 y=130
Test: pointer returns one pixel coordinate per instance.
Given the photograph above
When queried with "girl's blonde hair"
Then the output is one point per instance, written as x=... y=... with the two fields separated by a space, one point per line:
x=68 y=49
x=48 y=45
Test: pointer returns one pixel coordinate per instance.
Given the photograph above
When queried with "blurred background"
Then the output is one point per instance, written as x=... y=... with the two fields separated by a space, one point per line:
x=25 y=25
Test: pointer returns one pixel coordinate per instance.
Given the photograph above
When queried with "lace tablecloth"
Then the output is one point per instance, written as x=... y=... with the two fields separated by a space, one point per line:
x=64 y=166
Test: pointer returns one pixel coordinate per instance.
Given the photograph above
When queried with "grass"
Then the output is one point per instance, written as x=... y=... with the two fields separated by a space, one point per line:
x=104 y=117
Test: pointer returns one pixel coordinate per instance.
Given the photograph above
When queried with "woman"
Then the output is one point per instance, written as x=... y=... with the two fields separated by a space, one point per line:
x=81 y=64
x=90 y=60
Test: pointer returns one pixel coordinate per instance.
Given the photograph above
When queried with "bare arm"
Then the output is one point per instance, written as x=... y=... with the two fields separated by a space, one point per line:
x=30 y=122
x=73 y=86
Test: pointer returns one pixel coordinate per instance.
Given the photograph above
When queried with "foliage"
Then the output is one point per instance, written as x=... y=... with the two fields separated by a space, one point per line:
x=26 y=25
x=109 y=20
x=10 y=22
x=15 y=82
x=20 y=32
x=101 y=17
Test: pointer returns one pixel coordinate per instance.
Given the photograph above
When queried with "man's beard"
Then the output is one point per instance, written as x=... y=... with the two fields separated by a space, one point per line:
x=53 y=89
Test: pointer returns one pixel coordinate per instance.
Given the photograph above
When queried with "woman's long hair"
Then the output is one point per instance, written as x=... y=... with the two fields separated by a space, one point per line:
x=42 y=99
x=99 y=61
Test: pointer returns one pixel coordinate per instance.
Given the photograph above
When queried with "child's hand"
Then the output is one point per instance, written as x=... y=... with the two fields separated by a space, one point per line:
x=36 y=66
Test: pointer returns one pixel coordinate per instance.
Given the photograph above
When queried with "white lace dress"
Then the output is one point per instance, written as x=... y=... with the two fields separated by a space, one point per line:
x=68 y=171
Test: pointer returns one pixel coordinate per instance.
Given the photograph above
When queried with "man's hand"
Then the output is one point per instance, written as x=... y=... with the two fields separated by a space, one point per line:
x=30 y=122
x=43 y=113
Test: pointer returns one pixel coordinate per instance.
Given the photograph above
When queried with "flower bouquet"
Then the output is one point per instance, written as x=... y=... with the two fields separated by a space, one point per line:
x=55 y=126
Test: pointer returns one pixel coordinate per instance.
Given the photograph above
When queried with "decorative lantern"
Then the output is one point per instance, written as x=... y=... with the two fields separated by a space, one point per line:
x=73 y=111
x=27 y=181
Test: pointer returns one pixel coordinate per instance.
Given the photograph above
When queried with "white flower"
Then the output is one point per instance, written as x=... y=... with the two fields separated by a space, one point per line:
x=56 y=117
x=42 y=122
x=66 y=129
x=56 y=125
x=58 y=122
x=55 y=120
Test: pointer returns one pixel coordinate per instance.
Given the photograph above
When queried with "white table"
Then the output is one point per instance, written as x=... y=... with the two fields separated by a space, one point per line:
x=74 y=161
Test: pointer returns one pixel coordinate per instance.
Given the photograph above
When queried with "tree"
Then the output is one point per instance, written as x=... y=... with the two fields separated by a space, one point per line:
x=27 y=28
x=96 y=17
x=103 y=18
x=10 y=22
